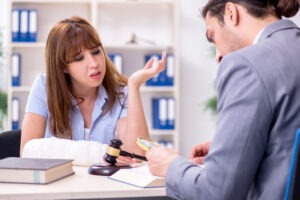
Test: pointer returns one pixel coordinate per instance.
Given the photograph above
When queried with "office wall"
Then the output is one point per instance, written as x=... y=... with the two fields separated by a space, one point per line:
x=198 y=71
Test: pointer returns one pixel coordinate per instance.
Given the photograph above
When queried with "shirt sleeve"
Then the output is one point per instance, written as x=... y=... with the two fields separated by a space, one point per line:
x=244 y=120
x=37 y=98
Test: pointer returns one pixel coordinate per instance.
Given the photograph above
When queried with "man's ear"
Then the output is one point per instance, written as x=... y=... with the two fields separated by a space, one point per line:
x=231 y=14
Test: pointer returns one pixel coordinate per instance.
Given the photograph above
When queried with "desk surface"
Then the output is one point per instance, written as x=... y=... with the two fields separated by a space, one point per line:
x=81 y=185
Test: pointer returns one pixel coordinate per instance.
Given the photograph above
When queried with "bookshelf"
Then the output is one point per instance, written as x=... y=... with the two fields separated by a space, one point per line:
x=153 y=22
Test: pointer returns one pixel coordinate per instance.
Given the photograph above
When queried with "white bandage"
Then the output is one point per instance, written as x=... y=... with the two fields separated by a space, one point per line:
x=82 y=152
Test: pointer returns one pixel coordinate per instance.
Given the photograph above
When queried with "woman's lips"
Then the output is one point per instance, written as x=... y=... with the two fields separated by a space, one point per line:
x=95 y=75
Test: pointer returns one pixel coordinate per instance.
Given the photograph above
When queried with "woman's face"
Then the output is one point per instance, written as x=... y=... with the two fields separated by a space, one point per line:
x=87 y=69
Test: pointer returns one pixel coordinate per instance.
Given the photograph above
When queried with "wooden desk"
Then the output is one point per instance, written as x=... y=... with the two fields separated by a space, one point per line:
x=81 y=185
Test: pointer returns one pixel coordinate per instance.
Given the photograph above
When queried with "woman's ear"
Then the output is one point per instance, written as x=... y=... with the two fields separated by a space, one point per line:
x=231 y=15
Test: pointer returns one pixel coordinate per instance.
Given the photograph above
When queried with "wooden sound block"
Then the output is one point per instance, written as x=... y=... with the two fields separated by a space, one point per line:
x=105 y=170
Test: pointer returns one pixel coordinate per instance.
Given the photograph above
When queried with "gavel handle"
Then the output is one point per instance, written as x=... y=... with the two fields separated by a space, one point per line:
x=132 y=155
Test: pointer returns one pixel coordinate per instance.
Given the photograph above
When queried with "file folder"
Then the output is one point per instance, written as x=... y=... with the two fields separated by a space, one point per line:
x=16 y=69
x=15 y=113
x=159 y=113
x=171 y=113
x=32 y=35
x=23 y=25
x=15 y=25
x=170 y=70
x=117 y=60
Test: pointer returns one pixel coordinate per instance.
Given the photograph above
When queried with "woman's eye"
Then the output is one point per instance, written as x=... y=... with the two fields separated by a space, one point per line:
x=96 y=52
x=78 y=58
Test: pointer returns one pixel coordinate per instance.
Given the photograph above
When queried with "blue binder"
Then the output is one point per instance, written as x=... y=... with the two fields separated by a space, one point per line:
x=23 y=25
x=170 y=70
x=16 y=69
x=15 y=113
x=159 y=113
x=117 y=60
x=32 y=25
x=171 y=113
x=15 y=25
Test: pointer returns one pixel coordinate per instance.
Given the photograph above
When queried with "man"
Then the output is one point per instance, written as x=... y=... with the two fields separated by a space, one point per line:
x=258 y=88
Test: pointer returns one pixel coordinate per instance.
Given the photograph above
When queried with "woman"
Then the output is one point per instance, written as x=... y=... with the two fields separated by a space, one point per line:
x=82 y=96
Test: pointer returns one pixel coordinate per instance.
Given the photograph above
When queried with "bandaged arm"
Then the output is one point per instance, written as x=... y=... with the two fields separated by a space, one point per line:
x=82 y=152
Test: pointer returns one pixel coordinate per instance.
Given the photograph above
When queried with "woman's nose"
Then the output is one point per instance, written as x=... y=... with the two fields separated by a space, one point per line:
x=92 y=60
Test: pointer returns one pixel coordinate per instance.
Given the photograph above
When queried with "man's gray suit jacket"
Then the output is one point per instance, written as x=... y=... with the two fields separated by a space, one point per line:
x=259 y=112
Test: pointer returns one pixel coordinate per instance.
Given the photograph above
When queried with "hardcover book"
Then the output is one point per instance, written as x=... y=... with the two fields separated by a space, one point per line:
x=34 y=170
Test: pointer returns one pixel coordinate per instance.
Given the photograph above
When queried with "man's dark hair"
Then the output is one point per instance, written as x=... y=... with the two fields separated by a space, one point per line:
x=256 y=8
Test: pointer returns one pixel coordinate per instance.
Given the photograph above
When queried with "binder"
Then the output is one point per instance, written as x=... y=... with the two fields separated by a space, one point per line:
x=170 y=145
x=170 y=70
x=32 y=25
x=15 y=113
x=155 y=111
x=171 y=113
x=16 y=69
x=15 y=25
x=159 y=113
x=154 y=81
x=23 y=25
x=117 y=60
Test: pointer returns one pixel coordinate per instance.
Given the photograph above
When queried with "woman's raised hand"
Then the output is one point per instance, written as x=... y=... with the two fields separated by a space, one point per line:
x=142 y=75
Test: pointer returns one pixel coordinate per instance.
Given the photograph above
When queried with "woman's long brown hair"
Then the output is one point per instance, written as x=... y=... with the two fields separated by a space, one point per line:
x=66 y=40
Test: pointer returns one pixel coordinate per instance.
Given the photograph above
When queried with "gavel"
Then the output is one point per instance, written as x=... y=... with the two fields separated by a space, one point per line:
x=113 y=151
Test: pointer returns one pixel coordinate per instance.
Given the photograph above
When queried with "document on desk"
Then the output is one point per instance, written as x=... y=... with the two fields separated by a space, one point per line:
x=138 y=176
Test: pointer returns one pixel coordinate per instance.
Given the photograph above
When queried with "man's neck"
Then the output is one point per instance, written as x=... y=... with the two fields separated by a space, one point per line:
x=257 y=25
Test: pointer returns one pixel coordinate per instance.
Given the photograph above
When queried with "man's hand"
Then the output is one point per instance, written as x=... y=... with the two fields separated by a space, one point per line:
x=199 y=152
x=159 y=159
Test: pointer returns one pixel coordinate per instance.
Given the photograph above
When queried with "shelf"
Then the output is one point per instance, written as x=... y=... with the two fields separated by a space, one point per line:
x=28 y=45
x=113 y=47
x=140 y=47
x=20 y=89
x=143 y=89
x=135 y=2
x=157 y=89
x=156 y=132
x=51 y=1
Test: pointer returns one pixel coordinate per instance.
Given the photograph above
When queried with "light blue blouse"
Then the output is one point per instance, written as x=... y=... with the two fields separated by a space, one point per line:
x=103 y=126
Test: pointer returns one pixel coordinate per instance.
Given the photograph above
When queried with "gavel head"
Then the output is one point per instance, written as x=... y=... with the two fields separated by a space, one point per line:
x=113 y=151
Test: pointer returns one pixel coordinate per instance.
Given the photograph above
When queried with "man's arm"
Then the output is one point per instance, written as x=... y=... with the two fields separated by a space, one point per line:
x=244 y=120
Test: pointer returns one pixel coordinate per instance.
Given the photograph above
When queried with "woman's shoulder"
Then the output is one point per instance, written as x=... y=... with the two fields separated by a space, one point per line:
x=40 y=78
x=39 y=82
